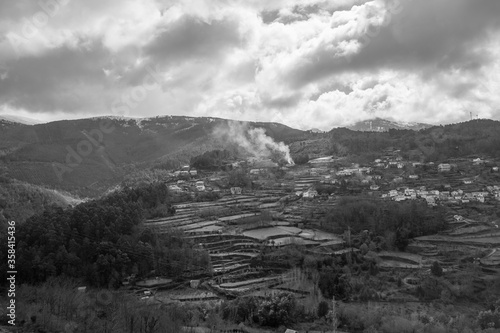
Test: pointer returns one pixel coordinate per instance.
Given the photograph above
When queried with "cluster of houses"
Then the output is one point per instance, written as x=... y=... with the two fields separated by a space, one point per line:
x=193 y=185
x=432 y=197
x=185 y=171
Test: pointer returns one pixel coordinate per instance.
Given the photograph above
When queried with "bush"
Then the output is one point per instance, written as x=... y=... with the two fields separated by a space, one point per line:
x=277 y=310
x=322 y=309
x=489 y=319
x=436 y=269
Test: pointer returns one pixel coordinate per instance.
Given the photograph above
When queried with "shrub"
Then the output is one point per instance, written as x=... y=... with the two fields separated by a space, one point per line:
x=277 y=310
x=322 y=309
x=489 y=319
x=436 y=269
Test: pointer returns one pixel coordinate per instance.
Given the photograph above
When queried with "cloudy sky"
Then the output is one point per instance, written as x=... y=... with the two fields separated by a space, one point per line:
x=304 y=63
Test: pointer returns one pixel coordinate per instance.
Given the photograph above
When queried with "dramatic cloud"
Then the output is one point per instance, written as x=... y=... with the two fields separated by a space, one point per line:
x=305 y=63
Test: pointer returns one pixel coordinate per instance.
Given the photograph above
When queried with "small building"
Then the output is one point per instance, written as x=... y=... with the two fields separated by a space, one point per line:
x=398 y=179
x=174 y=188
x=413 y=176
x=430 y=201
x=344 y=173
x=255 y=171
x=410 y=192
x=193 y=172
x=200 y=186
x=444 y=167
x=374 y=187
x=494 y=169
x=310 y=194
x=235 y=190
x=477 y=161
x=399 y=198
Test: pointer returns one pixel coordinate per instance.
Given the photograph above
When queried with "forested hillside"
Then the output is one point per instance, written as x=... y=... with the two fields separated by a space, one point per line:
x=19 y=201
x=87 y=156
x=101 y=241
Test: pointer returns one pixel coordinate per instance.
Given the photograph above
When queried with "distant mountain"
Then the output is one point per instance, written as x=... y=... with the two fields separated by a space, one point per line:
x=87 y=156
x=383 y=125
x=18 y=119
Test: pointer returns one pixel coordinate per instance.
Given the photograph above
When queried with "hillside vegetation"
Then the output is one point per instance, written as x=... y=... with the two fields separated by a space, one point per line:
x=87 y=156
x=19 y=201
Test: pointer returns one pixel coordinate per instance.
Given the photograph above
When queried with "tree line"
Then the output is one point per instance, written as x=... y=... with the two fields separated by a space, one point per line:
x=102 y=241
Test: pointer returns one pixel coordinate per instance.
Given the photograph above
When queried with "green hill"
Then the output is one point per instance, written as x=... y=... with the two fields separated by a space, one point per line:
x=87 y=156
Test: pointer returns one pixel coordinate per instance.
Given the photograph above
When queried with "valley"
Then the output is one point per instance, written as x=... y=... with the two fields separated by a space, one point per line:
x=391 y=231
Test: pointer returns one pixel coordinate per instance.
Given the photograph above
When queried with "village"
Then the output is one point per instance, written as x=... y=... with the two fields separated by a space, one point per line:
x=249 y=231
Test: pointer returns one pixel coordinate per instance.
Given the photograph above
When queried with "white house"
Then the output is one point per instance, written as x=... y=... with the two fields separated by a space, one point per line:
x=200 y=185
x=413 y=176
x=255 y=171
x=374 y=187
x=344 y=173
x=410 y=192
x=477 y=161
x=175 y=188
x=235 y=190
x=310 y=193
x=443 y=167
x=430 y=201
x=393 y=193
x=398 y=179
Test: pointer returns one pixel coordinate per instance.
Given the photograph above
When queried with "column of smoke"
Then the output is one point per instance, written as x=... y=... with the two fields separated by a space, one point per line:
x=254 y=141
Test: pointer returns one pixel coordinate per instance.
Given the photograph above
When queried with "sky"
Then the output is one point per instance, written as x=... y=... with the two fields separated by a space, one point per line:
x=304 y=63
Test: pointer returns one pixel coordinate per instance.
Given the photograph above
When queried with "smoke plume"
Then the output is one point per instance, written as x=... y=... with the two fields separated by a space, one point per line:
x=253 y=141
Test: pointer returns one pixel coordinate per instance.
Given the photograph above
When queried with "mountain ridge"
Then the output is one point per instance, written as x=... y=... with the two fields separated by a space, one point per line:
x=383 y=125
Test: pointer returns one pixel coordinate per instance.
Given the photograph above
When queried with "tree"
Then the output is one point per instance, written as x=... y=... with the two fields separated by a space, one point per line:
x=436 y=269
x=277 y=310
x=322 y=309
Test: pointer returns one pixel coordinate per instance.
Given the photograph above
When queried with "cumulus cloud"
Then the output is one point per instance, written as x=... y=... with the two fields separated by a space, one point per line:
x=305 y=63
